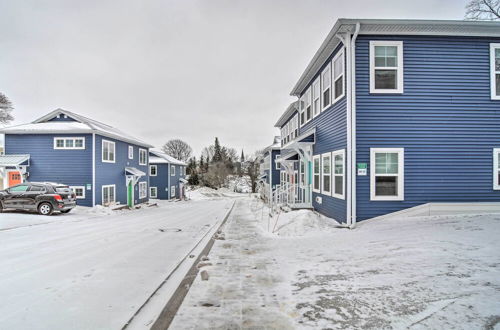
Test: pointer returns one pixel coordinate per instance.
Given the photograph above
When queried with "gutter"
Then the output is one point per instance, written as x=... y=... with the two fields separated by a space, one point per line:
x=353 y=126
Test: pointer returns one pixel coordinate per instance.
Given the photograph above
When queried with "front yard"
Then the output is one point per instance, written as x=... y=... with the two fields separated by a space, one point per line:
x=439 y=272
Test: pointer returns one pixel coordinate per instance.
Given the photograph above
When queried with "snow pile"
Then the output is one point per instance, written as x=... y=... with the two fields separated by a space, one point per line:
x=97 y=210
x=240 y=184
x=204 y=193
x=301 y=223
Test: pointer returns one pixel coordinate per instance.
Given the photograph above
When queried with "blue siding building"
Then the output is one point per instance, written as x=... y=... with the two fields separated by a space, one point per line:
x=395 y=114
x=167 y=176
x=102 y=164
x=270 y=169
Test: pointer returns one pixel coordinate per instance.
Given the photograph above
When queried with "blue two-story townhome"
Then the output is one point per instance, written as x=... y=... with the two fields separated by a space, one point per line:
x=270 y=169
x=167 y=176
x=396 y=115
x=100 y=163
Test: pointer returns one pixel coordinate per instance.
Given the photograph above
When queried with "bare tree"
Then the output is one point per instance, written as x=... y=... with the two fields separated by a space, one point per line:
x=483 y=10
x=252 y=169
x=178 y=149
x=5 y=109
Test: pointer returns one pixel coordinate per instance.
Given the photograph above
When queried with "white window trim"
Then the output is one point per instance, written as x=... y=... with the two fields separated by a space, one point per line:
x=317 y=81
x=172 y=191
x=323 y=156
x=78 y=187
x=172 y=170
x=151 y=189
x=400 y=73
x=114 y=151
x=339 y=54
x=323 y=88
x=314 y=173
x=145 y=152
x=114 y=193
x=308 y=92
x=156 y=170
x=400 y=175
x=336 y=153
x=69 y=138
x=130 y=152
x=496 y=184
x=302 y=109
x=143 y=189
x=493 y=72
x=277 y=165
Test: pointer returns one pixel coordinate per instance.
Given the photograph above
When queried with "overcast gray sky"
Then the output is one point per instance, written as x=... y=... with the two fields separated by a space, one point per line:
x=175 y=69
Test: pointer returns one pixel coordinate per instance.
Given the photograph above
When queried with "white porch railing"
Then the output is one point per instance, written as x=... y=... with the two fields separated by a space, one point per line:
x=291 y=195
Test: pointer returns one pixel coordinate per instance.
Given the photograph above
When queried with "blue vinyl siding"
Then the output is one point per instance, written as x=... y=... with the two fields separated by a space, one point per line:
x=71 y=167
x=160 y=181
x=275 y=172
x=445 y=121
x=174 y=180
x=114 y=173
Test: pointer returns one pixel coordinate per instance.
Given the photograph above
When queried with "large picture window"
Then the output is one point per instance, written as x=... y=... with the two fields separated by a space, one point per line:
x=108 y=151
x=495 y=71
x=317 y=173
x=339 y=174
x=326 y=174
x=387 y=174
x=316 y=95
x=386 y=67
x=496 y=169
x=338 y=76
x=326 y=86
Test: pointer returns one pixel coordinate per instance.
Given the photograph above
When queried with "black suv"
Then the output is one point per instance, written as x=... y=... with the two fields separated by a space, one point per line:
x=43 y=197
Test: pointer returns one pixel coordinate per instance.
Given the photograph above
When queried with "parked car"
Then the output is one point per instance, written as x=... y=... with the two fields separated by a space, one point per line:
x=42 y=197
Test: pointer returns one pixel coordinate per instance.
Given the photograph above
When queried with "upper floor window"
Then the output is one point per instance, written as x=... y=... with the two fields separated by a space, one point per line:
x=308 y=105
x=326 y=84
x=386 y=67
x=130 y=152
x=277 y=165
x=316 y=102
x=338 y=76
x=153 y=170
x=172 y=170
x=143 y=156
x=387 y=174
x=495 y=71
x=71 y=143
x=108 y=151
x=302 y=108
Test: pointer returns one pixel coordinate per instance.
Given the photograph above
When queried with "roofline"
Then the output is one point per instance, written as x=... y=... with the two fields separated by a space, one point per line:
x=159 y=155
x=287 y=114
x=392 y=27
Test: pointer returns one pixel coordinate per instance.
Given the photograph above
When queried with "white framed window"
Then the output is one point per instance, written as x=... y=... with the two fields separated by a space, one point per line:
x=387 y=174
x=79 y=191
x=495 y=71
x=317 y=173
x=153 y=192
x=143 y=157
x=72 y=143
x=338 y=158
x=143 y=189
x=308 y=110
x=326 y=79
x=276 y=164
x=496 y=169
x=153 y=170
x=108 y=151
x=326 y=174
x=296 y=125
x=172 y=192
x=130 y=152
x=302 y=110
x=338 y=76
x=172 y=170
x=386 y=67
x=108 y=194
x=316 y=97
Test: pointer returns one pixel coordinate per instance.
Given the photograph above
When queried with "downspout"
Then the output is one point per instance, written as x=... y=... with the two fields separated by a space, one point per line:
x=270 y=175
x=353 y=125
x=93 y=169
x=169 y=174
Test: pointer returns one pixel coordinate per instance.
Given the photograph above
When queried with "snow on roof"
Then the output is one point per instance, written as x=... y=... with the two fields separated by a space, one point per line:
x=157 y=160
x=81 y=125
x=13 y=160
x=166 y=158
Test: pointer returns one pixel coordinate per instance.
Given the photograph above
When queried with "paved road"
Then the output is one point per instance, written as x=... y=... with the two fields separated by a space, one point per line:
x=94 y=273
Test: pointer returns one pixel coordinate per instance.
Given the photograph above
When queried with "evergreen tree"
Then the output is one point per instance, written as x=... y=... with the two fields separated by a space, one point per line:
x=217 y=157
x=242 y=159
x=202 y=164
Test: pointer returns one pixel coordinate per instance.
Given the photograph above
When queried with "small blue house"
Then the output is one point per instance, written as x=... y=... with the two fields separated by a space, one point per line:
x=167 y=176
x=395 y=115
x=102 y=164
x=270 y=169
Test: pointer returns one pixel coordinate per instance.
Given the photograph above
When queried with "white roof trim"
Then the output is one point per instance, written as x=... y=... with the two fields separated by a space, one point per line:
x=13 y=160
x=134 y=171
x=169 y=159
x=292 y=108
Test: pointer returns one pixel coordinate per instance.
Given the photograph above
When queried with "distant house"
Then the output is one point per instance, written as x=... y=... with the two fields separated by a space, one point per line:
x=167 y=176
x=396 y=114
x=270 y=169
x=102 y=164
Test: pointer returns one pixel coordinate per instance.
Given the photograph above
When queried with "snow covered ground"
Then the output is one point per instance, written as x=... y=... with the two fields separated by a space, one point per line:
x=93 y=268
x=438 y=272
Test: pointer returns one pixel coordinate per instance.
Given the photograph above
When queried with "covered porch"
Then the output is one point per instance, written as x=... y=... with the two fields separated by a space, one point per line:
x=13 y=170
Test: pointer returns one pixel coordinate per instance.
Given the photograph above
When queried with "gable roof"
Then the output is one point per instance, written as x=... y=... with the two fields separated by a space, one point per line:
x=391 y=27
x=162 y=158
x=292 y=108
x=80 y=125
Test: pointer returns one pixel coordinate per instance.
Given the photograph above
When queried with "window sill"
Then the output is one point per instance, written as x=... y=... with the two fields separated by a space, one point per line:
x=386 y=91
x=387 y=199
x=342 y=197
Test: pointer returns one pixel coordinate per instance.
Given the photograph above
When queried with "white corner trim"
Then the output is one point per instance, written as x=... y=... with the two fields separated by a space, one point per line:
x=493 y=71
x=399 y=68
x=400 y=175
x=93 y=169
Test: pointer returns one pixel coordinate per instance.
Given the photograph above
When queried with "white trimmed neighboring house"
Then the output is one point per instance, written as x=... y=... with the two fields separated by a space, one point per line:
x=167 y=176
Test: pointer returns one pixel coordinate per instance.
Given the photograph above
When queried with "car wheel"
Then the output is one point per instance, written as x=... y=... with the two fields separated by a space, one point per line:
x=66 y=211
x=45 y=209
